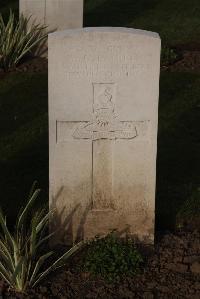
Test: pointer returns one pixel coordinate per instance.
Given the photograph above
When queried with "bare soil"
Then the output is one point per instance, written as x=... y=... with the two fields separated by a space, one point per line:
x=190 y=62
x=35 y=64
x=171 y=271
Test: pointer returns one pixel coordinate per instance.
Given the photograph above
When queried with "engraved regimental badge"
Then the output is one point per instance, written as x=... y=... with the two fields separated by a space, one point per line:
x=105 y=124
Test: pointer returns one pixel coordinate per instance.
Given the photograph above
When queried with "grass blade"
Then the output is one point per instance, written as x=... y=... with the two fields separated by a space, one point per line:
x=58 y=263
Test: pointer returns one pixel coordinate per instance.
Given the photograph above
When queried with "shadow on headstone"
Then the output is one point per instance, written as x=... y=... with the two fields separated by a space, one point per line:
x=62 y=222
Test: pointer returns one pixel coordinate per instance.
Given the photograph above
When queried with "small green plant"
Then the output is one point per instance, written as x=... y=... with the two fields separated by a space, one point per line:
x=168 y=56
x=189 y=211
x=22 y=258
x=17 y=39
x=112 y=257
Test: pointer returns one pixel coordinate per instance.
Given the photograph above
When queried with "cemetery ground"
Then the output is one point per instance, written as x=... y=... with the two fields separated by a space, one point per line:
x=173 y=270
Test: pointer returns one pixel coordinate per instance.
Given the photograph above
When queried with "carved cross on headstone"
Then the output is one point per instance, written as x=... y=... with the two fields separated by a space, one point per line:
x=103 y=130
x=103 y=119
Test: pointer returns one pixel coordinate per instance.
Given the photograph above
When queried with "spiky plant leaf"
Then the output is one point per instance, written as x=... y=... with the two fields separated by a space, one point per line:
x=38 y=265
x=18 y=268
x=60 y=262
x=21 y=263
x=5 y=229
x=44 y=221
x=24 y=213
x=41 y=241
x=17 y=39
x=5 y=275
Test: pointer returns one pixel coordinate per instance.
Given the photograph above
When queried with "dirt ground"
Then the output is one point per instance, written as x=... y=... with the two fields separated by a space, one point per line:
x=171 y=271
x=190 y=61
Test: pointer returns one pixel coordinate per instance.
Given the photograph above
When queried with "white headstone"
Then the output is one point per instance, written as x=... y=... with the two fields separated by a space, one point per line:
x=56 y=14
x=103 y=115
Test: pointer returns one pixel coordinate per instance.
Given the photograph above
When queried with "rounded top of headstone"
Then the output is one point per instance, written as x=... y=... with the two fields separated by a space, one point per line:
x=121 y=30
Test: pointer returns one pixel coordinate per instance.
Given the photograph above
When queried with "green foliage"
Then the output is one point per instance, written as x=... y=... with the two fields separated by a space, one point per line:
x=178 y=159
x=190 y=209
x=112 y=257
x=23 y=138
x=22 y=256
x=17 y=39
x=176 y=21
x=168 y=56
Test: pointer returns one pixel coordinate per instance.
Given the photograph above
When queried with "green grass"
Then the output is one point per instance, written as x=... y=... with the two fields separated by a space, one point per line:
x=177 y=21
x=23 y=137
x=6 y=5
x=24 y=141
x=178 y=164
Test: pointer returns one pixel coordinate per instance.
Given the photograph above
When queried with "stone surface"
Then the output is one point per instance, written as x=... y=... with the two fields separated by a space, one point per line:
x=33 y=8
x=103 y=114
x=56 y=14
